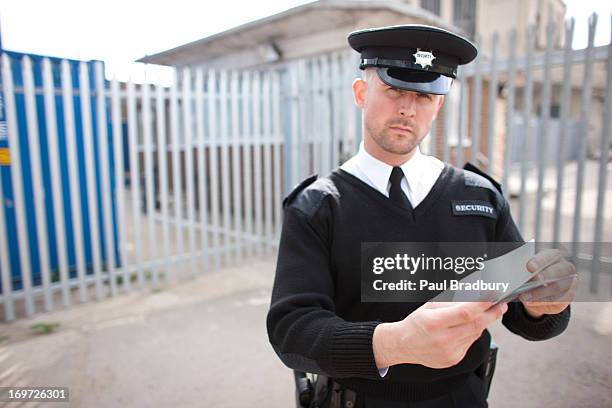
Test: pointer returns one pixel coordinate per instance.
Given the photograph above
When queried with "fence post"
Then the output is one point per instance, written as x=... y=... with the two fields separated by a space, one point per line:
x=604 y=148
x=134 y=182
x=492 y=106
x=202 y=170
x=565 y=113
x=527 y=101
x=236 y=172
x=584 y=120
x=188 y=149
x=40 y=220
x=509 y=109
x=104 y=160
x=543 y=133
x=162 y=165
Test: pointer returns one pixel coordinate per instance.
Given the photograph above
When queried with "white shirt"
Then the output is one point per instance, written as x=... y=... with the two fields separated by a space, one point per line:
x=420 y=173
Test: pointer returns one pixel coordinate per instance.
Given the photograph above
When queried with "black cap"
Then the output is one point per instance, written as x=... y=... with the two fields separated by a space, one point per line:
x=413 y=57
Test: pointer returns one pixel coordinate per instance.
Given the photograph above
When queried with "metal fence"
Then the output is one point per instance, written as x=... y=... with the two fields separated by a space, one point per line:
x=136 y=184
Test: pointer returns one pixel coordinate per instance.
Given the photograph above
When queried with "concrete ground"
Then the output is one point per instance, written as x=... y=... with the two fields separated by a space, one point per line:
x=203 y=343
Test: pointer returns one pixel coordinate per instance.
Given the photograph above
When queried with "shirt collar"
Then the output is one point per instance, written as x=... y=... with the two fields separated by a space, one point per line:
x=379 y=172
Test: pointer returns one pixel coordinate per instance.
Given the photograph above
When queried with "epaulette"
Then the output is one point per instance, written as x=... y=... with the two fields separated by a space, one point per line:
x=476 y=182
x=296 y=190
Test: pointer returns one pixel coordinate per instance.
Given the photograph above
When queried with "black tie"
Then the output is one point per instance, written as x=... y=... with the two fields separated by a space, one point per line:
x=395 y=192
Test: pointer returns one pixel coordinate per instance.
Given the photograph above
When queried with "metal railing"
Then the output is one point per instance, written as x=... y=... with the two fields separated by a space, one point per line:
x=113 y=185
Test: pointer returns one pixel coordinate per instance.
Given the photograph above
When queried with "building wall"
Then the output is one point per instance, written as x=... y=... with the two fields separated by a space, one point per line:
x=502 y=16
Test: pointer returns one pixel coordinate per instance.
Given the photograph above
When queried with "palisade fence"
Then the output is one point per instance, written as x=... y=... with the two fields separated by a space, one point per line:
x=111 y=186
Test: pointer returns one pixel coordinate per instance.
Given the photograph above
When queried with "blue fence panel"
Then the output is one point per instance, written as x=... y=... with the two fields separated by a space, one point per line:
x=24 y=139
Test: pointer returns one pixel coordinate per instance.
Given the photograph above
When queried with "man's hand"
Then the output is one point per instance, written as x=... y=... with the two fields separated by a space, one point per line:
x=556 y=296
x=436 y=335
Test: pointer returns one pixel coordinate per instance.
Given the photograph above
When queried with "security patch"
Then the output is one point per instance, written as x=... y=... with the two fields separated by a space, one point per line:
x=473 y=207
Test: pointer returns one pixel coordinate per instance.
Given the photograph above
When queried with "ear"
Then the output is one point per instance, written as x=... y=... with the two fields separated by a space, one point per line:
x=440 y=103
x=359 y=91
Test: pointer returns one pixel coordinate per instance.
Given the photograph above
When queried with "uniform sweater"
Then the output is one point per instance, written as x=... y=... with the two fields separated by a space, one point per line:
x=317 y=322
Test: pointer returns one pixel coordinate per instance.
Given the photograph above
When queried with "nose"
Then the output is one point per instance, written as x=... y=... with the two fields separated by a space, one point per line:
x=407 y=106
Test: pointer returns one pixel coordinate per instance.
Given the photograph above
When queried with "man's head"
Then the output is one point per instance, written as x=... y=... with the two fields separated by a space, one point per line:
x=394 y=119
x=407 y=71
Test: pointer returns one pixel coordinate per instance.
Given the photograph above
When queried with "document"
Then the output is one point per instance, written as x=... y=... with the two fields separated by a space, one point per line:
x=502 y=278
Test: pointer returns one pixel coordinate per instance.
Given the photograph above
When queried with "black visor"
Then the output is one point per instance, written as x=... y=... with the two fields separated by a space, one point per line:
x=416 y=81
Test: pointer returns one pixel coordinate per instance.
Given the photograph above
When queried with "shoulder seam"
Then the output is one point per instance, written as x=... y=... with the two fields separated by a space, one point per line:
x=310 y=197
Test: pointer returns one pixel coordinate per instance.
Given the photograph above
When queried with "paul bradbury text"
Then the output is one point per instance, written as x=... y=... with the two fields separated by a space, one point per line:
x=452 y=284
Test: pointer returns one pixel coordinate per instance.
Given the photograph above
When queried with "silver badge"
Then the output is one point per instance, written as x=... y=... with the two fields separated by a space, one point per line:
x=423 y=58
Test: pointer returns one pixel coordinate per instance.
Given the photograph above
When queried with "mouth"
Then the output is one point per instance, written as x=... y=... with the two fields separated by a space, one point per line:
x=402 y=129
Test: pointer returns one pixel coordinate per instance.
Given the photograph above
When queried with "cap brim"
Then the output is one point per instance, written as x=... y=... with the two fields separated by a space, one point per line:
x=416 y=81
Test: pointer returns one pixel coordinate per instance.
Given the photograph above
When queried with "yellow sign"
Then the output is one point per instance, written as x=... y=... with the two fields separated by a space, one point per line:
x=5 y=157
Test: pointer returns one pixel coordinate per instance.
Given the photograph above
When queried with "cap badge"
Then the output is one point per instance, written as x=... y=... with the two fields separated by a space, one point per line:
x=423 y=58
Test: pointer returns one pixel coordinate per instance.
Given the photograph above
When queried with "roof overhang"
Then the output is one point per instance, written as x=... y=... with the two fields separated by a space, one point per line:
x=317 y=16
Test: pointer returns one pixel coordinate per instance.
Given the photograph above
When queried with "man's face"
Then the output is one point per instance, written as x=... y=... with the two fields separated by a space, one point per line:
x=395 y=120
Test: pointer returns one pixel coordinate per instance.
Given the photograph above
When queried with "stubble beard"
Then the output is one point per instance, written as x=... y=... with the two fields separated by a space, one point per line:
x=396 y=143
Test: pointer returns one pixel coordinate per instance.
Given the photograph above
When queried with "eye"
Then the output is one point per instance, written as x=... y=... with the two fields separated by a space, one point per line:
x=426 y=96
x=393 y=92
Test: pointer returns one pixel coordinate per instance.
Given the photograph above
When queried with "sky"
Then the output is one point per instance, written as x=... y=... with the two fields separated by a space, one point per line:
x=119 y=32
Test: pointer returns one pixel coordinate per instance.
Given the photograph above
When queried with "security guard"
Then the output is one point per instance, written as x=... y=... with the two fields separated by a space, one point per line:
x=396 y=354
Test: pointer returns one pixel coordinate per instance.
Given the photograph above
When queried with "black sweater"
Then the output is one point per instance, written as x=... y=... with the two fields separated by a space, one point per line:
x=317 y=323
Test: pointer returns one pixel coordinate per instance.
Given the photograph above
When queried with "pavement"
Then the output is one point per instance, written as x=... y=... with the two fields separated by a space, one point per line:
x=203 y=343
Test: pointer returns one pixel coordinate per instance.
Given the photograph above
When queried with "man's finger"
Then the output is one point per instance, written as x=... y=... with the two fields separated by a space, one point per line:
x=438 y=305
x=474 y=328
x=461 y=312
x=557 y=270
x=552 y=293
x=544 y=258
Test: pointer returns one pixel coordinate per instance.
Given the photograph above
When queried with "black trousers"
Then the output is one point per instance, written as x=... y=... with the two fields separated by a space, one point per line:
x=471 y=395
